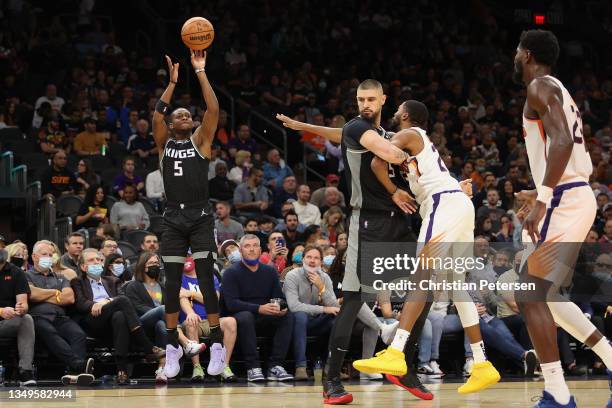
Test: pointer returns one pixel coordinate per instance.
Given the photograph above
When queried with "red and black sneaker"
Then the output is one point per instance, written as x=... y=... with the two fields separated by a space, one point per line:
x=411 y=383
x=335 y=394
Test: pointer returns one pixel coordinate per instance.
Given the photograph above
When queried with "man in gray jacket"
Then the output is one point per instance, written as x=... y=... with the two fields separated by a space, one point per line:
x=311 y=299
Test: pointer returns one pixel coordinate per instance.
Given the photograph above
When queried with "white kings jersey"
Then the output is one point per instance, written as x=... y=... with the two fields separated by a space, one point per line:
x=579 y=166
x=427 y=173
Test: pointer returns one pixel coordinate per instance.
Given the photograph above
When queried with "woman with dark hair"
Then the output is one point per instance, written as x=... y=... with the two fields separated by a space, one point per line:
x=128 y=213
x=85 y=176
x=507 y=195
x=93 y=211
x=505 y=233
x=311 y=234
x=484 y=225
x=147 y=295
x=114 y=265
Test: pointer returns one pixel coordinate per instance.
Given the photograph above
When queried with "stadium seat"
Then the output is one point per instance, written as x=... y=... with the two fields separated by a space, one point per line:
x=11 y=134
x=127 y=249
x=157 y=225
x=101 y=162
x=109 y=201
x=135 y=237
x=149 y=207
x=69 y=206
x=35 y=160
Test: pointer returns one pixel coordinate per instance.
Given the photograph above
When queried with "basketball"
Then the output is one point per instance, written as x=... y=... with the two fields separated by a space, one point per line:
x=197 y=33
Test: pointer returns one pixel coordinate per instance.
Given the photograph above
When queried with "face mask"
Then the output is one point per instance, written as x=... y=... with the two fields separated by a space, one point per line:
x=118 y=269
x=45 y=262
x=251 y=262
x=328 y=260
x=153 y=272
x=601 y=276
x=297 y=258
x=18 y=262
x=234 y=256
x=500 y=269
x=310 y=269
x=95 y=271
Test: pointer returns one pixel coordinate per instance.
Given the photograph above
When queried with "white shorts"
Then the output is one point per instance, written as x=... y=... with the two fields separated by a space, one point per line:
x=567 y=221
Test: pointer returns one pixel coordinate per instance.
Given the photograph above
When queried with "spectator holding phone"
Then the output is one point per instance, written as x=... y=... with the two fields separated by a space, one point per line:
x=277 y=252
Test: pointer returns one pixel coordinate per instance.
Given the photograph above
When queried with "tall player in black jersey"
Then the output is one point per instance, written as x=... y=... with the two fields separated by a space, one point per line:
x=374 y=218
x=188 y=219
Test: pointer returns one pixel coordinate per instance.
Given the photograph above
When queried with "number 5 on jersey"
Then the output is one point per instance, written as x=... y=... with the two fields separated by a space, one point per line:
x=178 y=170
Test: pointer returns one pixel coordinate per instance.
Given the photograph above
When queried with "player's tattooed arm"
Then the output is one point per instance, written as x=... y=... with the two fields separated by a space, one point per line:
x=331 y=134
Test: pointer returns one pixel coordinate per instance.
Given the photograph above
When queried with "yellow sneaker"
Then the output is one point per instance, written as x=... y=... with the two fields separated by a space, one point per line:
x=389 y=361
x=483 y=376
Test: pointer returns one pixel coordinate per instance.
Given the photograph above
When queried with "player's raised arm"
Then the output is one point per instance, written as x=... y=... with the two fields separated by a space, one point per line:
x=204 y=134
x=160 y=128
x=331 y=134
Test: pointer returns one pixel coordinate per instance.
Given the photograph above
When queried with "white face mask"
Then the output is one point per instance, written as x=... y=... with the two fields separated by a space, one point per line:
x=45 y=262
x=118 y=269
x=310 y=269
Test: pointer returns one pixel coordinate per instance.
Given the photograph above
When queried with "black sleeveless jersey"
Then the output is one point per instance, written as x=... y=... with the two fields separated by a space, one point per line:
x=185 y=172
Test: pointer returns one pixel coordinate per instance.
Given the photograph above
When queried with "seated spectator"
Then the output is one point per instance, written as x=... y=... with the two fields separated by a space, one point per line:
x=341 y=241
x=215 y=158
x=89 y=142
x=249 y=290
x=310 y=297
x=193 y=321
x=85 y=177
x=329 y=255
x=507 y=197
x=333 y=224
x=17 y=254
x=291 y=231
x=226 y=228
x=114 y=265
x=492 y=209
x=333 y=199
x=51 y=138
x=283 y=193
x=229 y=253
x=128 y=213
x=240 y=172
x=244 y=141
x=480 y=192
x=51 y=296
x=251 y=226
x=606 y=237
x=221 y=187
x=224 y=132
x=505 y=233
x=318 y=196
x=55 y=103
x=484 y=228
x=57 y=180
x=277 y=252
x=141 y=144
x=295 y=257
x=308 y=213
x=311 y=234
x=275 y=170
x=252 y=198
x=127 y=176
x=150 y=242
x=73 y=244
x=93 y=211
x=154 y=186
x=103 y=313
x=15 y=322
x=109 y=247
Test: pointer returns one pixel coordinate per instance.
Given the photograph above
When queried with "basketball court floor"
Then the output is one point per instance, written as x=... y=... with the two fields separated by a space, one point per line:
x=588 y=393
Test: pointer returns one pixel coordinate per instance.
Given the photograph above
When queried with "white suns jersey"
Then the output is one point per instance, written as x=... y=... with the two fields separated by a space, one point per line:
x=427 y=173
x=579 y=166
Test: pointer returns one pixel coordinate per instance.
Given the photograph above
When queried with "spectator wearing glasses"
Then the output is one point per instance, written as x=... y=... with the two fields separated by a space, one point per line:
x=108 y=247
x=114 y=265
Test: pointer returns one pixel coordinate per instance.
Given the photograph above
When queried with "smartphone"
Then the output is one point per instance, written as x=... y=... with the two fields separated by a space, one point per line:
x=280 y=243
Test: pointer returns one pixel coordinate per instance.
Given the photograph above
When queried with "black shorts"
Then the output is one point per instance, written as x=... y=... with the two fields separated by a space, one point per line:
x=188 y=228
x=372 y=226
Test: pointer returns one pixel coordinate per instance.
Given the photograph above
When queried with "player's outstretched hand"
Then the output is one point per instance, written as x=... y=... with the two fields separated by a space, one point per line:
x=404 y=201
x=290 y=123
x=528 y=195
x=173 y=70
x=466 y=187
x=198 y=59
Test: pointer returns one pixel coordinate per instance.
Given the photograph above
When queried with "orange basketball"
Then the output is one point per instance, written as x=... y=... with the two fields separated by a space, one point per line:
x=197 y=33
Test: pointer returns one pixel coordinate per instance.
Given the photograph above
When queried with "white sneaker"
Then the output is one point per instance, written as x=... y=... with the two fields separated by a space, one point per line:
x=388 y=332
x=370 y=377
x=467 y=367
x=216 y=365
x=193 y=348
x=160 y=376
x=436 y=368
x=173 y=357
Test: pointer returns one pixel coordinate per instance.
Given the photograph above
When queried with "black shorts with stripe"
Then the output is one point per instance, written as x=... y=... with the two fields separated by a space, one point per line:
x=188 y=228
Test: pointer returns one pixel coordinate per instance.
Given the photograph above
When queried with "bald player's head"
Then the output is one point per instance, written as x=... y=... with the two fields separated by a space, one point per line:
x=370 y=99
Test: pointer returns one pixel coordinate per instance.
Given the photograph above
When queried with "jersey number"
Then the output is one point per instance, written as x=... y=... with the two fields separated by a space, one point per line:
x=578 y=126
x=440 y=162
x=178 y=170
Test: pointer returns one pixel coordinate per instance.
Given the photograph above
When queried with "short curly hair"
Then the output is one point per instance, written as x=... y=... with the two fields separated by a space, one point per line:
x=542 y=44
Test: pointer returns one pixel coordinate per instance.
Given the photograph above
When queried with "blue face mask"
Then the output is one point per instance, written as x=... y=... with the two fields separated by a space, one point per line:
x=118 y=269
x=251 y=262
x=45 y=262
x=95 y=271
x=328 y=260
x=234 y=256
x=297 y=258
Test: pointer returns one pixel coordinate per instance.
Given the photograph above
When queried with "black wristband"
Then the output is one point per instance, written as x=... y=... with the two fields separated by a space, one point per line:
x=162 y=107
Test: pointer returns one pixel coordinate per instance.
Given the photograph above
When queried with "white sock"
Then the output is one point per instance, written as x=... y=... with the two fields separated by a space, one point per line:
x=604 y=351
x=554 y=383
x=478 y=352
x=399 y=341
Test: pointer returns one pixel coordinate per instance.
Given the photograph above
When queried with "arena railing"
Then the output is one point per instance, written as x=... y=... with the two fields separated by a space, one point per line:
x=269 y=132
x=33 y=194
x=46 y=220
x=19 y=178
x=232 y=104
x=6 y=165
x=309 y=149
x=61 y=229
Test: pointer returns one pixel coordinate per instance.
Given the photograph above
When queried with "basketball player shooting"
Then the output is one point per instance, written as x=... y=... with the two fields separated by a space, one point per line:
x=562 y=211
x=447 y=229
x=188 y=218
